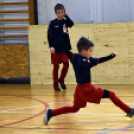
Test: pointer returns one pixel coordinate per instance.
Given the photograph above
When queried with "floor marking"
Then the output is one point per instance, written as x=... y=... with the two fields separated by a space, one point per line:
x=31 y=117
x=99 y=113
x=7 y=110
x=111 y=131
x=13 y=112
x=87 y=103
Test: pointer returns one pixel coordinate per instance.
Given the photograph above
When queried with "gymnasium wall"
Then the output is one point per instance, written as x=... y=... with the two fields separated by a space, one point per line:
x=108 y=37
x=14 y=61
x=88 y=11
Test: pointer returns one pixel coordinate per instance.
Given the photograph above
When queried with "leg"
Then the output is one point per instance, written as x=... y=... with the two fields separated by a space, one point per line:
x=111 y=95
x=63 y=75
x=64 y=110
x=55 y=77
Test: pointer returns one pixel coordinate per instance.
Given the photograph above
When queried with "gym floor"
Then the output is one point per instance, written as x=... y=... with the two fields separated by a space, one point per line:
x=22 y=110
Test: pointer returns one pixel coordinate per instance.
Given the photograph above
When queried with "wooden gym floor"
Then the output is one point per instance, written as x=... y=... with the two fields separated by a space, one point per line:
x=22 y=111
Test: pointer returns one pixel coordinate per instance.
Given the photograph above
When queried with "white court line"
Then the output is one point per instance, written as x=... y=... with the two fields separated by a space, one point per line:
x=13 y=112
x=88 y=103
x=59 y=102
x=99 y=113
x=7 y=110
x=10 y=110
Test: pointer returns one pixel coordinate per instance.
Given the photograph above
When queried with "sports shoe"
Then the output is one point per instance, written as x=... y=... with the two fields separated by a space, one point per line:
x=131 y=114
x=57 y=89
x=48 y=115
x=63 y=86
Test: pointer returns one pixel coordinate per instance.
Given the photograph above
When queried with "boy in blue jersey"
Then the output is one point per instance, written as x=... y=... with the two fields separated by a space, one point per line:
x=85 y=91
x=56 y=44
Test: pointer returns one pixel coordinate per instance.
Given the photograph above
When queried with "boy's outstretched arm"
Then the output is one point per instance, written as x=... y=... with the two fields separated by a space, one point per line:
x=69 y=54
x=104 y=59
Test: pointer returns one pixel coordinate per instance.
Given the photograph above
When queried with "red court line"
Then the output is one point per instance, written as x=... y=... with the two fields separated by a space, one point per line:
x=44 y=103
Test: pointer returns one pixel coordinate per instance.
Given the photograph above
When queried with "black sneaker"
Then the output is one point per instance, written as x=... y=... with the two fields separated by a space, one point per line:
x=131 y=114
x=63 y=86
x=48 y=115
x=57 y=89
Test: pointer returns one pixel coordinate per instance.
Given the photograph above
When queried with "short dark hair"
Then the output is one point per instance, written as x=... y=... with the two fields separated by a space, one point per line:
x=59 y=6
x=84 y=44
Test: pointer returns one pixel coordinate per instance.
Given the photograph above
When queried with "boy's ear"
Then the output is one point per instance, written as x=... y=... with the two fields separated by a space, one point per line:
x=83 y=50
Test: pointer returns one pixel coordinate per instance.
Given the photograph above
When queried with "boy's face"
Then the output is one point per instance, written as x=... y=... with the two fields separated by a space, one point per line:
x=87 y=53
x=60 y=13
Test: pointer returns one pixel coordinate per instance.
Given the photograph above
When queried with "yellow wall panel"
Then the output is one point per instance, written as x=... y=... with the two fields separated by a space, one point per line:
x=107 y=37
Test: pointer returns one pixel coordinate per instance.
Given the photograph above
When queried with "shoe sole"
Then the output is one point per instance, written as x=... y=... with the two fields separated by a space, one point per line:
x=130 y=116
x=57 y=90
x=45 y=117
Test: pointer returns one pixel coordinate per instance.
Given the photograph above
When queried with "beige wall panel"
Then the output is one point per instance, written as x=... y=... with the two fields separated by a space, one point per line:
x=108 y=38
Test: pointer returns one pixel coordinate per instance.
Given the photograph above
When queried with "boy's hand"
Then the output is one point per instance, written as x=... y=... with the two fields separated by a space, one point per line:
x=64 y=29
x=114 y=54
x=65 y=14
x=52 y=50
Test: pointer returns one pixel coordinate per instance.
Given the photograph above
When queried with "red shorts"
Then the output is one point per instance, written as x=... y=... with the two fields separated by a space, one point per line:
x=59 y=58
x=87 y=93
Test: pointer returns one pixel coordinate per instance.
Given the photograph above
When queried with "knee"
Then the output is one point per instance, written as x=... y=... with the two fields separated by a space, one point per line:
x=112 y=94
x=76 y=109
